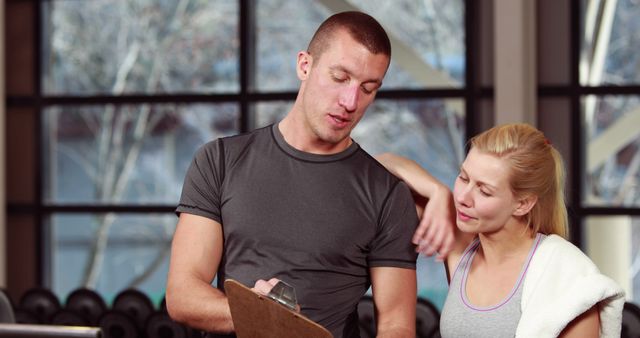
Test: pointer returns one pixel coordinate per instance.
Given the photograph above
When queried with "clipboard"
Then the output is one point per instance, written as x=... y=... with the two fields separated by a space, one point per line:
x=257 y=316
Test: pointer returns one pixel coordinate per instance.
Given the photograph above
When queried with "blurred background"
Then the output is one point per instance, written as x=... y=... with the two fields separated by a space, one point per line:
x=107 y=101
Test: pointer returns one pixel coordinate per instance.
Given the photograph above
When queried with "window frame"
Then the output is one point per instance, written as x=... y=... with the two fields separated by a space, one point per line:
x=472 y=93
x=574 y=92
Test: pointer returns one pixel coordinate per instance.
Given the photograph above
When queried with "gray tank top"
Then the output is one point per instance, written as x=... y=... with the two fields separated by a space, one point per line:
x=460 y=318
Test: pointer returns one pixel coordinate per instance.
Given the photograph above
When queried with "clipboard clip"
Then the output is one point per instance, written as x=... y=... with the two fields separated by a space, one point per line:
x=284 y=294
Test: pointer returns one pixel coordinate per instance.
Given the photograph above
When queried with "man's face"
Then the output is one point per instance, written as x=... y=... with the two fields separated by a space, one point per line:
x=338 y=86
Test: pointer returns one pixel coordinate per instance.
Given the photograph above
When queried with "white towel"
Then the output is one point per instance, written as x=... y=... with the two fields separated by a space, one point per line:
x=562 y=283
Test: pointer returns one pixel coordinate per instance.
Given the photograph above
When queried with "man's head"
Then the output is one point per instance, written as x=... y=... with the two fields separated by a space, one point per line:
x=363 y=28
x=340 y=73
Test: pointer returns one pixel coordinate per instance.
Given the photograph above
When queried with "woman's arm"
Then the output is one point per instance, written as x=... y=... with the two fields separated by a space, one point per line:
x=436 y=231
x=587 y=325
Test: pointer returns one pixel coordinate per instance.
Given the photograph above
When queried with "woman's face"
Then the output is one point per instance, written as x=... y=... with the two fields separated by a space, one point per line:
x=483 y=198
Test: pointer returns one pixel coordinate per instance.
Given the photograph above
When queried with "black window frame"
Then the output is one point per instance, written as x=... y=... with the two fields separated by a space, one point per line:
x=471 y=93
x=574 y=92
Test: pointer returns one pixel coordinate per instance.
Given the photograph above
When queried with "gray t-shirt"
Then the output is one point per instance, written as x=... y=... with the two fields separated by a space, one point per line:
x=318 y=222
x=460 y=318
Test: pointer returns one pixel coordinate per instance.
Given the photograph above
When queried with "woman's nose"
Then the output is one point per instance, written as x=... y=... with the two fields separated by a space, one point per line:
x=463 y=195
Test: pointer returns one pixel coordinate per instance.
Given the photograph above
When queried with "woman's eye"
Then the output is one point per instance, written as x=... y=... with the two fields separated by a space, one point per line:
x=463 y=179
x=484 y=193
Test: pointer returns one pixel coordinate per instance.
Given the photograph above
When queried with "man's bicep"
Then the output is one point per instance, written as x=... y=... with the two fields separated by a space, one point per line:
x=196 y=249
x=397 y=223
x=201 y=191
x=394 y=295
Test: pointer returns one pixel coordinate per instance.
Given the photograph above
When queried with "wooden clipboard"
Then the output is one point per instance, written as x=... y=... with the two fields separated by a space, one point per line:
x=257 y=316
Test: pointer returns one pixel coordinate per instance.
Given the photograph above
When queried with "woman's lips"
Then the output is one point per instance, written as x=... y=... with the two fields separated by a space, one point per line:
x=464 y=217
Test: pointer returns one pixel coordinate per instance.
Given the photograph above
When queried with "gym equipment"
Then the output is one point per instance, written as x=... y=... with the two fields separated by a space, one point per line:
x=87 y=303
x=427 y=319
x=6 y=309
x=40 y=302
x=160 y=325
x=47 y=331
x=366 y=317
x=116 y=324
x=136 y=305
x=68 y=318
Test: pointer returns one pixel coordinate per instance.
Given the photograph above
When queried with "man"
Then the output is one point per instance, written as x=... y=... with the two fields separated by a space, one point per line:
x=301 y=202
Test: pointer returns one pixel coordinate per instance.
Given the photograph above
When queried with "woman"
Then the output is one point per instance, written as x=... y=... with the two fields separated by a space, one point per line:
x=511 y=271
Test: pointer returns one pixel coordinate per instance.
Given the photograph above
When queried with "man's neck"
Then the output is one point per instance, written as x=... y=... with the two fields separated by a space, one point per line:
x=301 y=137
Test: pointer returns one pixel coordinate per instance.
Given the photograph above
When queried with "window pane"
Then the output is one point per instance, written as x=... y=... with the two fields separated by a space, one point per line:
x=119 y=47
x=609 y=49
x=428 y=36
x=129 y=154
x=431 y=132
x=283 y=29
x=612 y=150
x=432 y=281
x=267 y=113
x=110 y=252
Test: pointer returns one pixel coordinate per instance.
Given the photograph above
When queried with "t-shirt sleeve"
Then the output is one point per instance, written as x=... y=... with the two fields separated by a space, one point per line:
x=201 y=192
x=392 y=246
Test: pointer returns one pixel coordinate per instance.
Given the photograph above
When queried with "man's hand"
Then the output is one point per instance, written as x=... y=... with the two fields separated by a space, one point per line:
x=263 y=287
x=436 y=232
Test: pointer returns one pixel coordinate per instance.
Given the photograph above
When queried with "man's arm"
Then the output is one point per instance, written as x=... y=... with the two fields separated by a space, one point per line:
x=395 y=297
x=196 y=252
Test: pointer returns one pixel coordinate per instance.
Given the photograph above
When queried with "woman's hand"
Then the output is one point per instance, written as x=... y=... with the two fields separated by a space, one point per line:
x=436 y=231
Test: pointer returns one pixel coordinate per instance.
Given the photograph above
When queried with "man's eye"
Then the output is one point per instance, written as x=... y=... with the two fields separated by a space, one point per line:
x=367 y=90
x=337 y=78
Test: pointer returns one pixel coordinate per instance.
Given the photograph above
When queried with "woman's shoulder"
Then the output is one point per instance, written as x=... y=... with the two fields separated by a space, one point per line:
x=562 y=283
x=464 y=243
x=560 y=246
x=557 y=255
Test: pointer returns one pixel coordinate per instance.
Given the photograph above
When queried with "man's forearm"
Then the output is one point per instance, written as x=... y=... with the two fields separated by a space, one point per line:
x=201 y=307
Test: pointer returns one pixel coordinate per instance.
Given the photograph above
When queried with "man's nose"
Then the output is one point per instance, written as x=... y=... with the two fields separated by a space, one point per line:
x=349 y=98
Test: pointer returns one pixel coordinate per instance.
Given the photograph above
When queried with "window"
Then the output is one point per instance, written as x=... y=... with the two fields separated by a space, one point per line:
x=599 y=95
x=128 y=90
x=610 y=113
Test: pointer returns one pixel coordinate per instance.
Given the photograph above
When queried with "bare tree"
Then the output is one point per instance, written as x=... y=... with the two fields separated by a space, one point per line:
x=139 y=48
x=150 y=46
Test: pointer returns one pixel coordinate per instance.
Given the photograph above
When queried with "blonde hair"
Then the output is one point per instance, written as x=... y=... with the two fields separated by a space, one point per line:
x=536 y=168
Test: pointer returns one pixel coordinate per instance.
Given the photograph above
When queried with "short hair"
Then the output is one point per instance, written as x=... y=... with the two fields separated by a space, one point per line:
x=535 y=168
x=361 y=27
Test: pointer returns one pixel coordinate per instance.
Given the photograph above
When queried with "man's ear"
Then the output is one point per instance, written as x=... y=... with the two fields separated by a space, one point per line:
x=525 y=205
x=303 y=66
